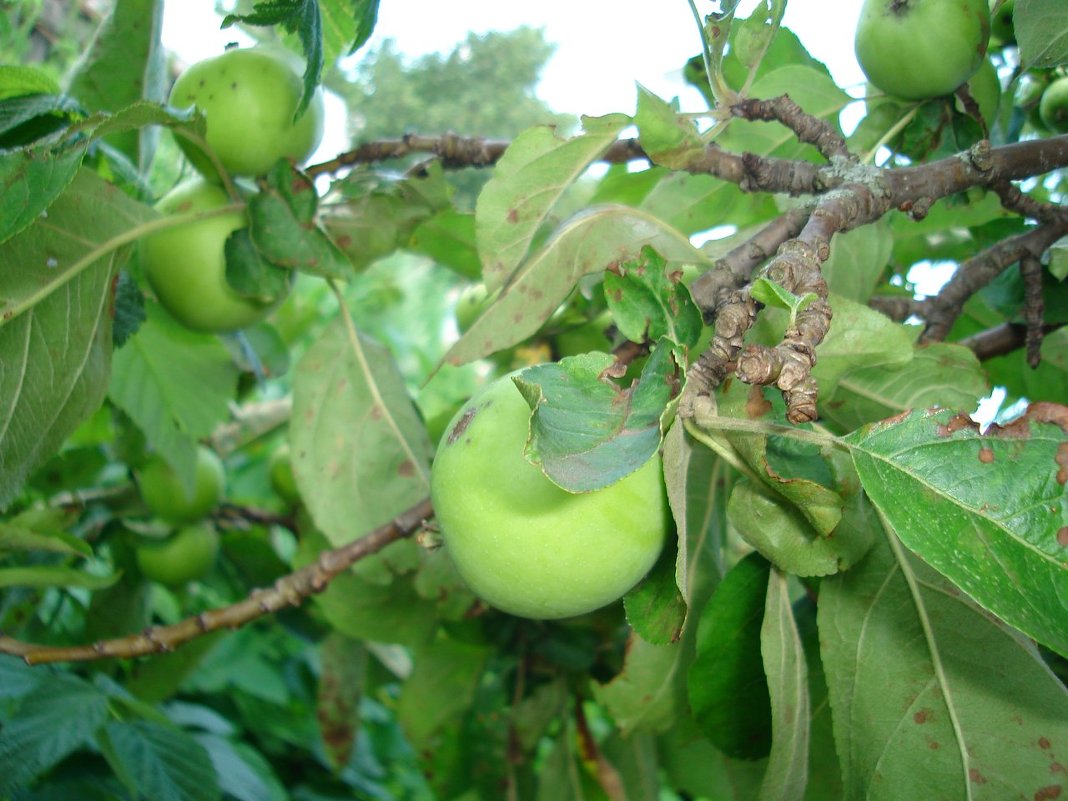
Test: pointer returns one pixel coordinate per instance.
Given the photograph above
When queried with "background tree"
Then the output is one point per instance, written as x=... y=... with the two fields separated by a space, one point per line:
x=862 y=593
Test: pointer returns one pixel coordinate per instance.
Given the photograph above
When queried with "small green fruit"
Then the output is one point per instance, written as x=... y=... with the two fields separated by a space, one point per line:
x=1001 y=27
x=186 y=265
x=919 y=49
x=165 y=495
x=523 y=544
x=1053 y=108
x=280 y=471
x=185 y=556
x=248 y=98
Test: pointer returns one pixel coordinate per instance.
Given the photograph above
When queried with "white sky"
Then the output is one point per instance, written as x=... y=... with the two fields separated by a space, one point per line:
x=602 y=49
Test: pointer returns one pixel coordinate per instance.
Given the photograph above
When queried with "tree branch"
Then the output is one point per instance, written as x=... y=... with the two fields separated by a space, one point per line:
x=290 y=590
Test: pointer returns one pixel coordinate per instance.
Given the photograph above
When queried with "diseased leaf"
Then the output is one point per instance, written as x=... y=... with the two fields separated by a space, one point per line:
x=586 y=432
x=647 y=303
x=527 y=181
x=337 y=703
x=55 y=321
x=588 y=242
x=650 y=694
x=931 y=697
x=360 y=452
x=990 y=512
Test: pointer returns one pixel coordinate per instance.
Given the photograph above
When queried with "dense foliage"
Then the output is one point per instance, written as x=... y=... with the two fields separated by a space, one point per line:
x=863 y=593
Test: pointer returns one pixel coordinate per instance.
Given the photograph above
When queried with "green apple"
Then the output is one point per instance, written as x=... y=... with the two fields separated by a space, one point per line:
x=165 y=495
x=472 y=302
x=1053 y=108
x=584 y=338
x=520 y=542
x=280 y=472
x=185 y=556
x=249 y=99
x=186 y=265
x=918 y=49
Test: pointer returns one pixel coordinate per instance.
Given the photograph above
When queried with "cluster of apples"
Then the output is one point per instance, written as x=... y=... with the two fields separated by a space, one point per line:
x=249 y=99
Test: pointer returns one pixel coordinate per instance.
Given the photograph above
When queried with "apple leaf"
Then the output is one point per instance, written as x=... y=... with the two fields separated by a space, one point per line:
x=656 y=609
x=648 y=303
x=989 y=511
x=787 y=674
x=55 y=321
x=649 y=694
x=586 y=431
x=175 y=384
x=282 y=224
x=527 y=181
x=728 y=687
x=857 y=261
x=341 y=684
x=668 y=137
x=360 y=452
x=159 y=761
x=939 y=374
x=42 y=576
x=442 y=686
x=1041 y=28
x=784 y=537
x=931 y=697
x=588 y=242
x=251 y=275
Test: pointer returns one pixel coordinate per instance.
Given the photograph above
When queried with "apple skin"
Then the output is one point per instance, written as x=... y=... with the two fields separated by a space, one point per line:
x=248 y=98
x=523 y=544
x=186 y=265
x=185 y=556
x=163 y=492
x=919 y=49
x=1001 y=27
x=1053 y=108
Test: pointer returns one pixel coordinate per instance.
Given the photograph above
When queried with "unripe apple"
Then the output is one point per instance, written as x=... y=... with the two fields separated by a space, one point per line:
x=523 y=544
x=918 y=49
x=249 y=98
x=165 y=495
x=280 y=472
x=1053 y=108
x=186 y=265
x=185 y=556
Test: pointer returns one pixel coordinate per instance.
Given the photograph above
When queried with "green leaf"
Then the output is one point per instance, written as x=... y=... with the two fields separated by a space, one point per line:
x=931 y=697
x=647 y=303
x=18 y=679
x=441 y=688
x=776 y=295
x=988 y=512
x=360 y=452
x=125 y=63
x=53 y=576
x=669 y=138
x=449 y=238
x=586 y=432
x=588 y=242
x=784 y=537
x=1041 y=28
x=656 y=609
x=251 y=275
x=728 y=687
x=858 y=260
x=242 y=772
x=53 y=720
x=175 y=384
x=695 y=203
x=649 y=694
x=859 y=337
x=281 y=222
x=16 y=81
x=55 y=321
x=159 y=762
x=939 y=374
x=527 y=181
x=17 y=537
x=787 y=673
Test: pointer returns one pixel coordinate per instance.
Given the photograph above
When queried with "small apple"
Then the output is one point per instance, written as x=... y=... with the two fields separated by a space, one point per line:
x=1053 y=108
x=165 y=495
x=919 y=49
x=472 y=302
x=280 y=472
x=185 y=556
x=520 y=542
x=249 y=98
x=186 y=265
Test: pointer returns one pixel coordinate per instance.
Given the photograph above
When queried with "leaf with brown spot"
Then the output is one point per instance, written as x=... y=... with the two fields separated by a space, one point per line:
x=337 y=701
